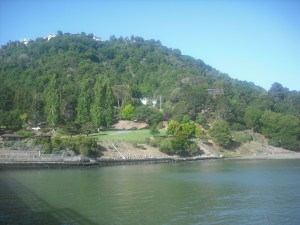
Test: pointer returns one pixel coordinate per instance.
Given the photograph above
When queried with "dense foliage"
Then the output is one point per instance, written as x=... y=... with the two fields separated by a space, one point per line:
x=79 y=145
x=73 y=80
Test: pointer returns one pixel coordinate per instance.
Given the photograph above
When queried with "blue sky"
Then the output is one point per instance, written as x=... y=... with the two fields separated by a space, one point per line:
x=257 y=41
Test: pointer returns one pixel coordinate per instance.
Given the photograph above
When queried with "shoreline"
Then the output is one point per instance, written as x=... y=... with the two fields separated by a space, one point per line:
x=96 y=163
x=292 y=155
x=119 y=162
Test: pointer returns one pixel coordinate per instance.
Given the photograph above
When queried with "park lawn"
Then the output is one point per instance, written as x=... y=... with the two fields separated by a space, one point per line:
x=132 y=136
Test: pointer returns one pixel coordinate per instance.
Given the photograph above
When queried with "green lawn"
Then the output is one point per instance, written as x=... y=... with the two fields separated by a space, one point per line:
x=132 y=136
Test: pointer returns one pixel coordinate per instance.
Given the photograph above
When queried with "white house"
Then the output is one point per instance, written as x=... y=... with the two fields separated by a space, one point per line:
x=97 y=38
x=25 y=40
x=146 y=101
x=35 y=128
x=50 y=36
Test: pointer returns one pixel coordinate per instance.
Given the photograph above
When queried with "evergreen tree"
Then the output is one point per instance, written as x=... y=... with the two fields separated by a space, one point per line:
x=102 y=112
x=109 y=102
x=84 y=102
x=52 y=106
x=97 y=109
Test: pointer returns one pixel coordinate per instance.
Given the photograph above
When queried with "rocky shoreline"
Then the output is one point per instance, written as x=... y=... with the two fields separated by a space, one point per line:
x=96 y=163
x=118 y=162
x=292 y=155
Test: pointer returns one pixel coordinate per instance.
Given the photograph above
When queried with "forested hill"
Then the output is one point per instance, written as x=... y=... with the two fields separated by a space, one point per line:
x=70 y=79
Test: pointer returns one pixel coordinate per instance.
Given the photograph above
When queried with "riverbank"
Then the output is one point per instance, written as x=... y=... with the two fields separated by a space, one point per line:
x=97 y=163
x=291 y=155
x=118 y=162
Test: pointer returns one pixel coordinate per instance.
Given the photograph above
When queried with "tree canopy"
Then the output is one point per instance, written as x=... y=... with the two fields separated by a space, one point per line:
x=73 y=78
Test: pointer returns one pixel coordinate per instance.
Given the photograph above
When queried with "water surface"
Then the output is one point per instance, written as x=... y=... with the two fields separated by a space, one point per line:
x=204 y=192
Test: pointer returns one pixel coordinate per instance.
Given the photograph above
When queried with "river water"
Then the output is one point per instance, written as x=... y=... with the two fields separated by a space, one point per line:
x=203 y=192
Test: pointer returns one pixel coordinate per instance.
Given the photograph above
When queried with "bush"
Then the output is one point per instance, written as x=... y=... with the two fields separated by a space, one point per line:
x=127 y=112
x=155 y=117
x=200 y=132
x=153 y=142
x=25 y=133
x=221 y=134
x=44 y=143
x=47 y=148
x=80 y=145
x=154 y=130
x=192 y=148
x=200 y=119
x=56 y=143
x=166 y=146
x=237 y=127
x=242 y=137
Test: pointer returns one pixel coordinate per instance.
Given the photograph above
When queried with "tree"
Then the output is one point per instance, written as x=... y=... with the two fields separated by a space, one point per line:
x=252 y=118
x=221 y=134
x=154 y=130
x=270 y=123
x=127 y=112
x=109 y=102
x=200 y=119
x=120 y=92
x=84 y=102
x=88 y=128
x=155 y=117
x=37 y=109
x=277 y=92
x=173 y=127
x=289 y=132
x=11 y=120
x=141 y=113
x=102 y=112
x=97 y=110
x=52 y=106
x=282 y=130
x=188 y=129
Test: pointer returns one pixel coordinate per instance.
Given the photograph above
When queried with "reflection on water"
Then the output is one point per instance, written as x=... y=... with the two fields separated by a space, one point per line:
x=19 y=205
x=216 y=192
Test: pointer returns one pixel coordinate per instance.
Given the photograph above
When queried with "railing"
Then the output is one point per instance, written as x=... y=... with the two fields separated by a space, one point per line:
x=26 y=156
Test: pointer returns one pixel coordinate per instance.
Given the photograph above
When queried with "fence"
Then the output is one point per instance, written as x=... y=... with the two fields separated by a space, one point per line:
x=36 y=156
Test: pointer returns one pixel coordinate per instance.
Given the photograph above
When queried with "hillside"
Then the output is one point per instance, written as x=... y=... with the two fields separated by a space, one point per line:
x=77 y=82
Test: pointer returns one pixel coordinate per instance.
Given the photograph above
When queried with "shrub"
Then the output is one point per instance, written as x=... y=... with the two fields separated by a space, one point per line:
x=166 y=146
x=44 y=143
x=154 y=130
x=80 y=145
x=242 y=137
x=25 y=133
x=192 y=148
x=200 y=132
x=237 y=127
x=200 y=119
x=56 y=143
x=127 y=112
x=221 y=134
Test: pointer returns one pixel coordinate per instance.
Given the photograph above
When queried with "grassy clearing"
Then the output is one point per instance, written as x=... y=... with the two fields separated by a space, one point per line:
x=132 y=136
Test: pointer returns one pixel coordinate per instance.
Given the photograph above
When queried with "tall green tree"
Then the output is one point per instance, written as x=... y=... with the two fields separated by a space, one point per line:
x=102 y=112
x=97 y=109
x=84 y=102
x=52 y=107
x=109 y=104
